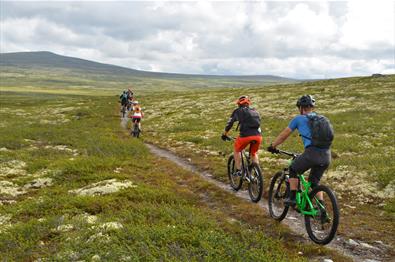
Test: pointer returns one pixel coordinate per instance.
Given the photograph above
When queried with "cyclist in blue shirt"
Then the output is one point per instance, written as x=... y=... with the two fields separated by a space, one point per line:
x=314 y=158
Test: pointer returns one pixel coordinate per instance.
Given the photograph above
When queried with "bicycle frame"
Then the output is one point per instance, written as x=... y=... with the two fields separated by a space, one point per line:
x=246 y=161
x=244 y=158
x=303 y=199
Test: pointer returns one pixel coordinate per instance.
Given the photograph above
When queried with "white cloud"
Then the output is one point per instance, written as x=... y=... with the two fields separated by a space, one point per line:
x=302 y=27
x=294 y=39
x=367 y=24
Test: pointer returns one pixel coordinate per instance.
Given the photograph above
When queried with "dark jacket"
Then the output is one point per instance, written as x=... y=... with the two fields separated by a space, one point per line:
x=239 y=114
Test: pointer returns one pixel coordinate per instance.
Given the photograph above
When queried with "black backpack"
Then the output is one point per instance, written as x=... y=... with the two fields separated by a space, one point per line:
x=321 y=131
x=251 y=118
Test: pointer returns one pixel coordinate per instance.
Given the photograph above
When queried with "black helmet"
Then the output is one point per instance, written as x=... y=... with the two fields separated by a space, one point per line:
x=306 y=101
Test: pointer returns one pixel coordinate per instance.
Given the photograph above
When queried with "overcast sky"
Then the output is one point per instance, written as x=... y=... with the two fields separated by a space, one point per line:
x=292 y=39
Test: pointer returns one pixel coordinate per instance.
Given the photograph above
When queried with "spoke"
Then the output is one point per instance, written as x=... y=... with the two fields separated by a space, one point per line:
x=322 y=222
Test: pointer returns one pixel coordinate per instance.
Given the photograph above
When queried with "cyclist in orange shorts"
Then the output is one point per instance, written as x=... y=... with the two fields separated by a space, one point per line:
x=249 y=123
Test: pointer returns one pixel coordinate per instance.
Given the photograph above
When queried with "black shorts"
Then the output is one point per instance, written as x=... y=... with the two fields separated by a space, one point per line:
x=317 y=160
x=136 y=120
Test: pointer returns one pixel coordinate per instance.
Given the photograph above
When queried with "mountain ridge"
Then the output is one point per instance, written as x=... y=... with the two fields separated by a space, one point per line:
x=47 y=59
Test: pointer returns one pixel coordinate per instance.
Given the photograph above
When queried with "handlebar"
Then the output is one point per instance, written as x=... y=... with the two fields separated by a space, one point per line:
x=293 y=155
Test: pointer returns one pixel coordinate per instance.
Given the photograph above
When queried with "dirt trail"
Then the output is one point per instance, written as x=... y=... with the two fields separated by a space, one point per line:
x=124 y=122
x=357 y=251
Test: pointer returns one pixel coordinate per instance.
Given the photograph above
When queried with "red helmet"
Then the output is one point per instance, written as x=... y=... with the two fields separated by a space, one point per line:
x=243 y=100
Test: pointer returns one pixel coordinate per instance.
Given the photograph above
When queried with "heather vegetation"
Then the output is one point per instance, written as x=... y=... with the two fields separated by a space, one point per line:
x=75 y=186
x=361 y=109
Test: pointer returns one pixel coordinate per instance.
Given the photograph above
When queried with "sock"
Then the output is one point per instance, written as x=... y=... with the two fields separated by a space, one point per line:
x=293 y=195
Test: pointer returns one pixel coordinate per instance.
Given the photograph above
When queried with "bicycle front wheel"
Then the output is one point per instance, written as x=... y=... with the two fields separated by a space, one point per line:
x=235 y=181
x=255 y=187
x=322 y=227
x=278 y=191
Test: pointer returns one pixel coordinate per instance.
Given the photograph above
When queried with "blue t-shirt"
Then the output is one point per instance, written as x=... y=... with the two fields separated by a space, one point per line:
x=301 y=122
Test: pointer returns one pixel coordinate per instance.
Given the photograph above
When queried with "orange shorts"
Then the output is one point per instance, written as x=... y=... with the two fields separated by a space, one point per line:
x=242 y=142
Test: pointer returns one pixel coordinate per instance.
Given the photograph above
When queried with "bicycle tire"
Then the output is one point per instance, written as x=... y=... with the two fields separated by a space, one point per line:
x=235 y=182
x=279 y=210
x=259 y=179
x=135 y=131
x=334 y=216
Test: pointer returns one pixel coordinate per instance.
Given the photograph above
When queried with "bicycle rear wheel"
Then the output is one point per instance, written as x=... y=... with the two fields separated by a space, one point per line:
x=255 y=187
x=278 y=191
x=322 y=227
x=136 y=131
x=235 y=181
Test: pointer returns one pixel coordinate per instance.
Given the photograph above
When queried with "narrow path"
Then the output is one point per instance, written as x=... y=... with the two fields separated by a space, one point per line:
x=367 y=253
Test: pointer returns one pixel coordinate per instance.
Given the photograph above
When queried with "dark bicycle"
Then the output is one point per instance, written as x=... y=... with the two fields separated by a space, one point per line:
x=321 y=213
x=129 y=105
x=250 y=172
x=123 y=111
x=135 y=131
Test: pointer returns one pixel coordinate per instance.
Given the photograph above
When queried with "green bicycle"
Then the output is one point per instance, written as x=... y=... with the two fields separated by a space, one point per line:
x=319 y=205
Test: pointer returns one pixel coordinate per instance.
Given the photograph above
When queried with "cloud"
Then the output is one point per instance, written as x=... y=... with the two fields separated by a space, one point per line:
x=294 y=39
x=362 y=30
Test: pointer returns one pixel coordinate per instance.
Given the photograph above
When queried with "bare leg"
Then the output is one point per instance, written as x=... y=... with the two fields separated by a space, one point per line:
x=320 y=196
x=293 y=182
x=237 y=156
x=255 y=159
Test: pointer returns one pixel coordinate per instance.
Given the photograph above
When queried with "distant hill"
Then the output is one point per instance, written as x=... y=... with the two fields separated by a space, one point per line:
x=50 y=61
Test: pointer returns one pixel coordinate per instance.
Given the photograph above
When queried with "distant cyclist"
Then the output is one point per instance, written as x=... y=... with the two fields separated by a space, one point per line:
x=317 y=136
x=250 y=131
x=129 y=105
x=134 y=103
x=124 y=99
x=130 y=94
x=136 y=114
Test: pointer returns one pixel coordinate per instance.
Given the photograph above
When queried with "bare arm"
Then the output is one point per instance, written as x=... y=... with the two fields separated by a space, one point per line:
x=282 y=137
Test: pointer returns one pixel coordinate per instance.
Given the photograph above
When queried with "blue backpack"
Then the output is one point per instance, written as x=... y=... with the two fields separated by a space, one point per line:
x=124 y=97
